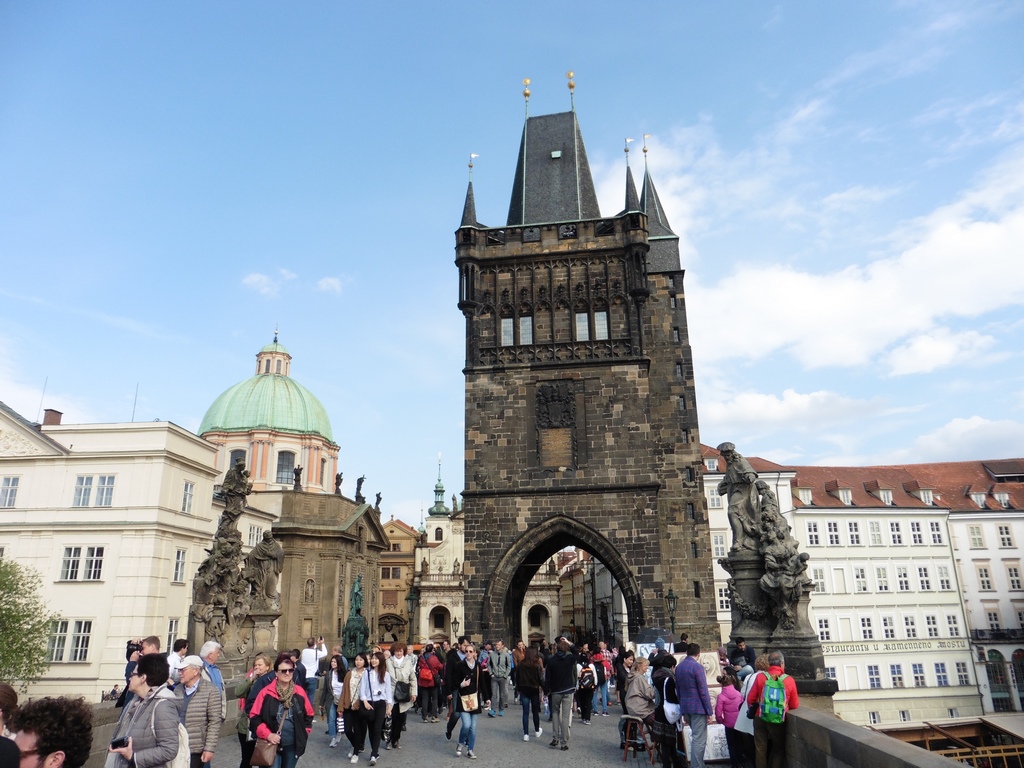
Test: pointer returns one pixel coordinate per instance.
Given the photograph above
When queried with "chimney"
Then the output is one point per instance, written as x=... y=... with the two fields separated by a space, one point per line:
x=51 y=417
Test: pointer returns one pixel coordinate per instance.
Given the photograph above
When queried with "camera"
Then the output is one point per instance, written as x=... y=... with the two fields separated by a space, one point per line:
x=132 y=646
x=119 y=743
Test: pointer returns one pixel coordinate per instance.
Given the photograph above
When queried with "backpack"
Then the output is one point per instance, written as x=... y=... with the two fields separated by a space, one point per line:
x=425 y=673
x=588 y=681
x=773 y=699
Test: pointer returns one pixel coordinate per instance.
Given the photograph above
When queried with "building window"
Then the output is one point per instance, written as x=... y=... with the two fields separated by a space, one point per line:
x=715 y=501
x=601 y=326
x=397 y=547
x=396 y=572
x=963 y=677
x=1005 y=539
x=882 y=578
x=874 y=718
x=80 y=641
x=693 y=549
x=896 y=673
x=902 y=580
x=1003 y=499
x=711 y=465
x=904 y=715
x=874 y=677
x=679 y=375
x=172 y=633
x=105 y=491
x=188 y=489
x=860 y=579
x=57 y=641
x=895 y=534
x=979 y=499
x=507 y=331
x=812 y=535
x=819 y=579
x=672 y=302
x=179 y=567
x=977 y=542
x=696 y=588
x=941 y=678
x=910 y=625
x=926 y=496
x=918 y=675
x=718 y=545
x=953 y=624
x=526 y=329
x=724 y=604
x=255 y=534
x=236 y=454
x=675 y=335
x=984 y=578
x=438 y=534
x=944 y=582
x=936 y=529
x=846 y=496
x=806 y=495
x=830 y=673
x=285 y=465
x=916 y=536
x=993 y=620
x=853 y=529
x=824 y=632
x=876 y=534
x=833 y=534
x=71 y=563
x=582 y=326
x=866 y=630
x=923 y=579
x=93 y=564
x=885 y=496
x=8 y=491
x=83 y=491
x=952 y=712
x=888 y=628
x=932 y=625
x=1013 y=574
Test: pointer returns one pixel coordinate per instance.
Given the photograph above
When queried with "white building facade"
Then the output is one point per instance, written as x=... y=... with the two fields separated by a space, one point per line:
x=115 y=518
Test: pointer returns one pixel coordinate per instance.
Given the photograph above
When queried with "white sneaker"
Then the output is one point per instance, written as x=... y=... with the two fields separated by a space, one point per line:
x=373 y=761
x=334 y=743
x=354 y=759
x=526 y=737
x=458 y=751
x=471 y=755
x=539 y=732
x=351 y=752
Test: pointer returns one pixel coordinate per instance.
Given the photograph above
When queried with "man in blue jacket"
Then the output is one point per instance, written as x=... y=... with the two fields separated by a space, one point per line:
x=694 y=702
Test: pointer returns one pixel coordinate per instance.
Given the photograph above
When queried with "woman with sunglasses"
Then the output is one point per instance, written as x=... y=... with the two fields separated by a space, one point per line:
x=282 y=714
x=352 y=706
x=470 y=680
x=377 y=694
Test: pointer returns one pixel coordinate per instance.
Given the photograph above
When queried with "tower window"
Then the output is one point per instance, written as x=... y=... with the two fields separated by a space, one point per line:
x=266 y=366
x=582 y=326
x=526 y=329
x=438 y=534
x=601 y=326
x=277 y=366
x=507 y=329
x=285 y=465
x=235 y=456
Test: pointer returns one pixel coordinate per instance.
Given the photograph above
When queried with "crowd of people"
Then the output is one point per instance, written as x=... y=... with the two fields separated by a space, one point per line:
x=174 y=704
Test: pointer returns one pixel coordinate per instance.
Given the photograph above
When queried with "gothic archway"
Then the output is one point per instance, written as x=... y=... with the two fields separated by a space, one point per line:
x=506 y=589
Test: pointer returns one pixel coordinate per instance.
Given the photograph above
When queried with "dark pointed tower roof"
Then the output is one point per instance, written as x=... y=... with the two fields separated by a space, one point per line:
x=553 y=181
x=632 y=201
x=664 y=253
x=469 y=209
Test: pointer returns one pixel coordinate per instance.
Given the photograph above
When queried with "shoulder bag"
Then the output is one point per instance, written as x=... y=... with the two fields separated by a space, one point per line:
x=264 y=754
x=471 y=701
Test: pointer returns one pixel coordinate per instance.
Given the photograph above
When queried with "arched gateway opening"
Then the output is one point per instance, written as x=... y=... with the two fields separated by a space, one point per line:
x=506 y=589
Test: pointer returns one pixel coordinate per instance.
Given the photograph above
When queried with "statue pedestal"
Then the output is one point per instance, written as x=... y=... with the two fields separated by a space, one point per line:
x=751 y=615
x=264 y=633
x=804 y=657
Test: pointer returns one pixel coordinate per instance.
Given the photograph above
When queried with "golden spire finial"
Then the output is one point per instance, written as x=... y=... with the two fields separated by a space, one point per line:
x=526 y=94
x=275 y=332
x=626 y=149
x=472 y=156
x=572 y=88
x=646 y=137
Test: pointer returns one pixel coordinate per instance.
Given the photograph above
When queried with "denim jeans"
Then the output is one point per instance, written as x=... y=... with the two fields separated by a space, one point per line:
x=467 y=735
x=286 y=757
x=530 y=699
x=601 y=698
x=332 y=720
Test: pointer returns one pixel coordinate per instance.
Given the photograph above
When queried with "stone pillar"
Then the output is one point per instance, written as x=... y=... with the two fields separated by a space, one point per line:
x=751 y=616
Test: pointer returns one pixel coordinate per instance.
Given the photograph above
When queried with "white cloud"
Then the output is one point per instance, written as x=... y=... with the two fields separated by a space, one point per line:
x=260 y=283
x=856 y=197
x=971 y=438
x=287 y=274
x=928 y=352
x=329 y=285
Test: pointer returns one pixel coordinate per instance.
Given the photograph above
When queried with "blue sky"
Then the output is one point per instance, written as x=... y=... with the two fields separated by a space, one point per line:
x=847 y=180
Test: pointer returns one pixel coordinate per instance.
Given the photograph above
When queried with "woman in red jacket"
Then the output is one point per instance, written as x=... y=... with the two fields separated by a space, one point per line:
x=283 y=696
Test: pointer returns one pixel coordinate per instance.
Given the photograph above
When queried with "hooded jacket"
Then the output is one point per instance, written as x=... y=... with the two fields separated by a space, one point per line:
x=263 y=715
x=560 y=673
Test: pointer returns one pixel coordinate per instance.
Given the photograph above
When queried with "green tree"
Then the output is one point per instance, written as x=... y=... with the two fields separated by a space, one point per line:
x=24 y=624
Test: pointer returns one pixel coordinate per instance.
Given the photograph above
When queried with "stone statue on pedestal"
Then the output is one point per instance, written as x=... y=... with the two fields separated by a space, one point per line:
x=357 y=631
x=263 y=566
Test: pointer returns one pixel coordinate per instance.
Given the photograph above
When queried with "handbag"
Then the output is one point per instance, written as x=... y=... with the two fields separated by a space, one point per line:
x=264 y=754
x=402 y=692
x=672 y=712
x=471 y=701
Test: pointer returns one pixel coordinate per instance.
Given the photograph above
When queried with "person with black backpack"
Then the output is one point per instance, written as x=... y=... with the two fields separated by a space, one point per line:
x=586 y=674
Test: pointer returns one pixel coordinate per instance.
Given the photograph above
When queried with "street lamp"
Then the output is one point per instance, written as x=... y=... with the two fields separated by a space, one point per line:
x=455 y=628
x=410 y=600
x=670 y=603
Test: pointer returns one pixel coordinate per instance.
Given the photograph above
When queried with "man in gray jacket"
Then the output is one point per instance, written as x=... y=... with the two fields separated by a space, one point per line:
x=500 y=667
x=199 y=705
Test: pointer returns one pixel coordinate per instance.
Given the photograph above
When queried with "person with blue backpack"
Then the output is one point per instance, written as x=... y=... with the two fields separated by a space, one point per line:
x=770 y=698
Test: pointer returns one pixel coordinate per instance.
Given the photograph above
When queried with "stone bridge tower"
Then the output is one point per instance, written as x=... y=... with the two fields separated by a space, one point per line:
x=581 y=421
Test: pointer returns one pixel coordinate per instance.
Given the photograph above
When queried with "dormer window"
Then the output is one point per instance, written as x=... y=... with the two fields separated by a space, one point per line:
x=711 y=464
x=805 y=495
x=1003 y=499
x=926 y=496
x=845 y=496
x=979 y=499
x=885 y=496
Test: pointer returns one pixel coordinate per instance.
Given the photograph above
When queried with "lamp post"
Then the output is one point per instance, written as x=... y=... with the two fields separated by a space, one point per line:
x=455 y=628
x=670 y=603
x=411 y=600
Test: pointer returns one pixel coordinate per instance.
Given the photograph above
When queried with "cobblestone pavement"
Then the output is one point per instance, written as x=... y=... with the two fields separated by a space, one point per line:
x=499 y=742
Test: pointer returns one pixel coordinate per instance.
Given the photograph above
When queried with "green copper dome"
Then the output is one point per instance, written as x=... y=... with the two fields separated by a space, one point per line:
x=268 y=401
